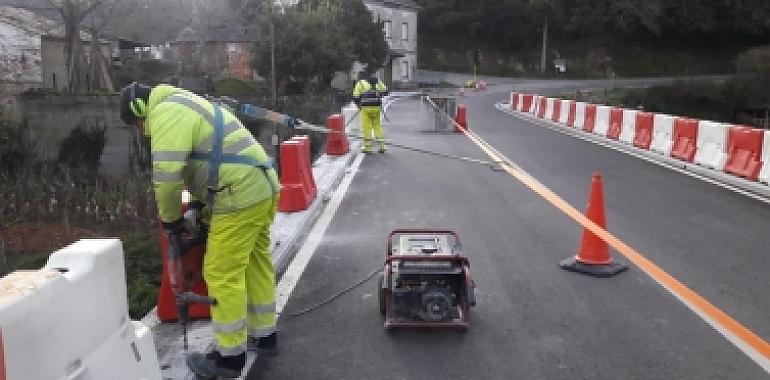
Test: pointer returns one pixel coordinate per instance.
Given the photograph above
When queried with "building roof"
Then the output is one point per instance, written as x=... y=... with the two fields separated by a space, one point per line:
x=220 y=34
x=33 y=23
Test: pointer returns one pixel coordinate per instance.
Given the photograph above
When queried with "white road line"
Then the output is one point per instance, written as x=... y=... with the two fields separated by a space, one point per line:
x=297 y=267
x=560 y=129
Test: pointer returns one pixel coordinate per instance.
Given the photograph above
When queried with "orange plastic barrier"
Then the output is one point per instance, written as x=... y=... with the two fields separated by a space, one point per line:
x=461 y=117
x=556 y=111
x=526 y=103
x=588 y=126
x=296 y=194
x=643 y=133
x=744 y=152
x=543 y=106
x=192 y=268
x=571 y=115
x=616 y=123
x=514 y=101
x=336 y=141
x=685 y=139
x=307 y=163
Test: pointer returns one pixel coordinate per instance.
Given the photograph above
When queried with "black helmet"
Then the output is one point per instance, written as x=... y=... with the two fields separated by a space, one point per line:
x=133 y=102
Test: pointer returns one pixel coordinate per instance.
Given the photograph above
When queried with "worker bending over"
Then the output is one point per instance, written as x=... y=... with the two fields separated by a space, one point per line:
x=201 y=146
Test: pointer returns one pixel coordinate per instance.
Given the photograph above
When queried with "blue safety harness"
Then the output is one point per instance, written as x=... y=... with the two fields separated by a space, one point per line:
x=217 y=158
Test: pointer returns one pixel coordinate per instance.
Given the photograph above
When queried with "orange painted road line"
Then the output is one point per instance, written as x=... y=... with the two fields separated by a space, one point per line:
x=746 y=340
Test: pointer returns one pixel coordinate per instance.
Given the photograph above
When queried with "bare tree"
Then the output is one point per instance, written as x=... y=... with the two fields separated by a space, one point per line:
x=73 y=12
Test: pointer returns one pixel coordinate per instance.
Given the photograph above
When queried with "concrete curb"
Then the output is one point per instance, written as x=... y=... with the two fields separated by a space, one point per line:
x=746 y=187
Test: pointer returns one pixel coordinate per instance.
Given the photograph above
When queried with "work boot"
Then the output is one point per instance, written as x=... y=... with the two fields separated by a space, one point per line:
x=214 y=365
x=266 y=346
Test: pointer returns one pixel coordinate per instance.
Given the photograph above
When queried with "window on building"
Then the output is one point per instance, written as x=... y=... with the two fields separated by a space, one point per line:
x=405 y=69
x=404 y=32
x=387 y=29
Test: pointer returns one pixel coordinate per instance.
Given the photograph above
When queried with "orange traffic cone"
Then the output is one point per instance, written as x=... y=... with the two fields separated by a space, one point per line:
x=594 y=258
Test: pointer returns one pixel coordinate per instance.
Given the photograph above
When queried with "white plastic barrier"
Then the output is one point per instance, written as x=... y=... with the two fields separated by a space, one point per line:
x=712 y=144
x=536 y=104
x=662 y=134
x=580 y=115
x=602 y=121
x=351 y=118
x=549 y=108
x=70 y=320
x=628 y=130
x=564 y=112
x=764 y=174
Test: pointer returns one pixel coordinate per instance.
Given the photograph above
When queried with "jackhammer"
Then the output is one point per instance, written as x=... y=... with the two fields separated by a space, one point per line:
x=181 y=278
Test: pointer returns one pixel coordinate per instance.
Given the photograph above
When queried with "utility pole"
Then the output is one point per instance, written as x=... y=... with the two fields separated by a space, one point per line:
x=272 y=59
x=545 y=44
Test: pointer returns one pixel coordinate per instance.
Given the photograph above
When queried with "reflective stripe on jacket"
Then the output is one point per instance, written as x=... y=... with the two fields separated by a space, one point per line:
x=369 y=95
x=181 y=129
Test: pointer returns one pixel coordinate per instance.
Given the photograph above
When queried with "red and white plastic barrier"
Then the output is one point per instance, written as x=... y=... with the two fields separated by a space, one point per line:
x=628 y=132
x=712 y=145
x=549 y=108
x=764 y=174
x=580 y=115
x=643 y=130
x=514 y=101
x=526 y=103
x=337 y=142
x=685 y=139
x=565 y=109
x=556 y=116
x=616 y=123
x=571 y=114
x=602 y=123
x=738 y=150
x=744 y=152
x=662 y=134
x=69 y=320
x=297 y=191
x=590 y=119
x=542 y=106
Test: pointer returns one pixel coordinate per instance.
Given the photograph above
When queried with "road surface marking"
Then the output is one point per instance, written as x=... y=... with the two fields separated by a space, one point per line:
x=743 y=338
x=299 y=263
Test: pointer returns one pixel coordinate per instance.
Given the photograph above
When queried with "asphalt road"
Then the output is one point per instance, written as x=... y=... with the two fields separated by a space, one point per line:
x=533 y=320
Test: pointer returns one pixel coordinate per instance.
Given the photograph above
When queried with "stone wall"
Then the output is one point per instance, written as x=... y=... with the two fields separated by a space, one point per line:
x=52 y=117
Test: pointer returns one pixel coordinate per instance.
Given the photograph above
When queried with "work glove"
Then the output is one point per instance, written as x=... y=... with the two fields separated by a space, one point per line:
x=193 y=218
x=292 y=122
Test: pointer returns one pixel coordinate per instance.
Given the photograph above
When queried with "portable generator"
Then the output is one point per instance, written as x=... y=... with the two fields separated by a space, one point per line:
x=426 y=281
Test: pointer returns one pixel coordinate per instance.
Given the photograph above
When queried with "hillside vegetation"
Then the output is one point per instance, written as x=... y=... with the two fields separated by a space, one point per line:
x=598 y=37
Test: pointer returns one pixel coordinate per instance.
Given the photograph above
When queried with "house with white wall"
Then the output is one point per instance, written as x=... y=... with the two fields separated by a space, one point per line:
x=399 y=18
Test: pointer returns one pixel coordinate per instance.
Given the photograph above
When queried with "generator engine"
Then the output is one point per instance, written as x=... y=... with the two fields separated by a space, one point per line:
x=426 y=280
x=425 y=297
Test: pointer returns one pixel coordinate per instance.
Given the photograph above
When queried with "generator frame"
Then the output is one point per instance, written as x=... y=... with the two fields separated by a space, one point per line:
x=466 y=297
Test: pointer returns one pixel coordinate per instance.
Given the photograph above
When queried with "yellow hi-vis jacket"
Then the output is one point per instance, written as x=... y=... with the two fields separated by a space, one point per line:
x=369 y=95
x=180 y=125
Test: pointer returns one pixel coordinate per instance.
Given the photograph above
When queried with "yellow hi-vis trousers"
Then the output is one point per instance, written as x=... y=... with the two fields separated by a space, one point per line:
x=239 y=273
x=370 y=122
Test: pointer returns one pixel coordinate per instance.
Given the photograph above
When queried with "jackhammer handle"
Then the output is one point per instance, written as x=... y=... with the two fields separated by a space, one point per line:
x=190 y=297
